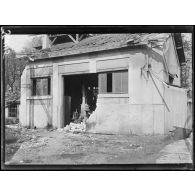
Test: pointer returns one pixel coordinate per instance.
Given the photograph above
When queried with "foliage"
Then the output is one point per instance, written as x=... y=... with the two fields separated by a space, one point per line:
x=186 y=70
x=13 y=70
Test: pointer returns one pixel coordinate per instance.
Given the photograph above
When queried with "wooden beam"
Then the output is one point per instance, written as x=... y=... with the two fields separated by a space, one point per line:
x=165 y=62
x=77 y=38
x=53 y=41
x=71 y=37
x=57 y=35
x=80 y=38
x=159 y=91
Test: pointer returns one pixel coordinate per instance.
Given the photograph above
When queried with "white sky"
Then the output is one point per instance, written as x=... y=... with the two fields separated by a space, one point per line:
x=17 y=42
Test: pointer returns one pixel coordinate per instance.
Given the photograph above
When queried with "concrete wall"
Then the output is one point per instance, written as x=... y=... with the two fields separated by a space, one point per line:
x=172 y=60
x=117 y=115
x=189 y=115
x=141 y=110
x=6 y=112
x=176 y=99
x=35 y=110
x=81 y=64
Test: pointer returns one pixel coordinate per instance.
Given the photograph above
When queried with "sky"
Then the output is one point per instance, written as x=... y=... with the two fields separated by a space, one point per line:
x=17 y=42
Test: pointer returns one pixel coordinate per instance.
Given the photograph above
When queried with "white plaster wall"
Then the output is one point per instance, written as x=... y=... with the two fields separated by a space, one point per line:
x=124 y=118
x=176 y=99
x=23 y=99
x=146 y=105
x=6 y=112
x=34 y=111
x=189 y=115
x=141 y=89
x=41 y=114
x=172 y=60
x=142 y=111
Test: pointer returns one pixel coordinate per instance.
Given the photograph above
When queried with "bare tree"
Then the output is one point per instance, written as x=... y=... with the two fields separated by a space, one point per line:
x=10 y=69
x=13 y=70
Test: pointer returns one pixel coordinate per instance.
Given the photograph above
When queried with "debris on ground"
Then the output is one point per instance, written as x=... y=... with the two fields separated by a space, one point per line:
x=85 y=148
x=135 y=146
x=13 y=126
x=74 y=127
x=15 y=136
x=35 y=143
x=180 y=133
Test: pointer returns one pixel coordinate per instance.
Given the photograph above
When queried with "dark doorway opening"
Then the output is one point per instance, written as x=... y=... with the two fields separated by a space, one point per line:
x=80 y=96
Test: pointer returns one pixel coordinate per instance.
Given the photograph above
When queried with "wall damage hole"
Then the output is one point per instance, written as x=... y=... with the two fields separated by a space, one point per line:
x=80 y=97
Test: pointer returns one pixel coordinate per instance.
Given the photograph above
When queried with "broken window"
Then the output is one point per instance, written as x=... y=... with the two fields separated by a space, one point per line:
x=113 y=82
x=12 y=110
x=41 y=86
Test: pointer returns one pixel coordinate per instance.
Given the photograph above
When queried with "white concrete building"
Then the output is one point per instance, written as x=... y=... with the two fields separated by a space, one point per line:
x=130 y=82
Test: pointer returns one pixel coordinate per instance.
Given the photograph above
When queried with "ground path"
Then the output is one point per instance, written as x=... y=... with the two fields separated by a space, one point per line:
x=176 y=152
x=55 y=147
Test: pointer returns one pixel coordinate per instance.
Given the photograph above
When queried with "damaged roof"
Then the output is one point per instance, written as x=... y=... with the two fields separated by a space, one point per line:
x=99 y=43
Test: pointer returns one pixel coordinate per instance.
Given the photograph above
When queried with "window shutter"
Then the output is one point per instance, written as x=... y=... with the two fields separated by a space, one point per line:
x=124 y=81
x=120 y=82
x=117 y=82
x=102 y=79
x=44 y=86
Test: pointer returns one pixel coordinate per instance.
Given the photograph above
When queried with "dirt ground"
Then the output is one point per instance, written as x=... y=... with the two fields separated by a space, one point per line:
x=54 y=147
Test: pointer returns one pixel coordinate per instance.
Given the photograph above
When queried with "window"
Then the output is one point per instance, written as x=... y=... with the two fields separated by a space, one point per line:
x=109 y=82
x=41 y=86
x=113 y=82
x=12 y=110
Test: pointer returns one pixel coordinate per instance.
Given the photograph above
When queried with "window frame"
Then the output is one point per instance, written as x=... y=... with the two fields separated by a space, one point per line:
x=12 y=109
x=103 y=87
x=34 y=86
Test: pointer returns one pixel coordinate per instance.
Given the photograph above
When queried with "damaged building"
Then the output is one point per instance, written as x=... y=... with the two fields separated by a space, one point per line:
x=117 y=83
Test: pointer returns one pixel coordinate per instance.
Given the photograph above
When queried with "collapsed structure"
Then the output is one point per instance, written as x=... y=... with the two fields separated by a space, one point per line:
x=117 y=83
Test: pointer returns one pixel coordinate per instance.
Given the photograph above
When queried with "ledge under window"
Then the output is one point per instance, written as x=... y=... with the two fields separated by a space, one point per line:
x=39 y=97
x=112 y=95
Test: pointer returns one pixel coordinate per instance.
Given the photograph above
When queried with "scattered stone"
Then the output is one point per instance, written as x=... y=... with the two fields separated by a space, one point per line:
x=135 y=146
x=76 y=127
x=34 y=143
x=60 y=129
x=67 y=128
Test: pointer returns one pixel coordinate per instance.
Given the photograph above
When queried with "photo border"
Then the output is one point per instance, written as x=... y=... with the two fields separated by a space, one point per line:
x=55 y=29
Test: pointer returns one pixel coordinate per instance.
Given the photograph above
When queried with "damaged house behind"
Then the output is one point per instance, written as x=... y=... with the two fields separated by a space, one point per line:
x=116 y=83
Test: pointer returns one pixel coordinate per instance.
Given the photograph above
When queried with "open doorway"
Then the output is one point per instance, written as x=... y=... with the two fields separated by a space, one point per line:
x=80 y=96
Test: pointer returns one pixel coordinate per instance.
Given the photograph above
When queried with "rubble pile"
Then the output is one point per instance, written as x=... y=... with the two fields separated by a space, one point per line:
x=74 y=127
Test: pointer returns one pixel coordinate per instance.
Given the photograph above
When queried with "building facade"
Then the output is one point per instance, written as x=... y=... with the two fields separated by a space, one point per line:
x=129 y=83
